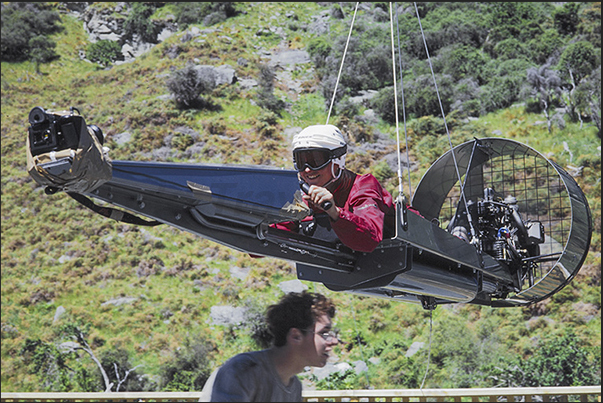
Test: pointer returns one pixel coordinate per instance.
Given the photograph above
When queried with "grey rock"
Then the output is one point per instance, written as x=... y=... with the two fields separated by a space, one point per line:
x=60 y=311
x=414 y=348
x=292 y=286
x=122 y=138
x=227 y=315
x=239 y=272
x=119 y=301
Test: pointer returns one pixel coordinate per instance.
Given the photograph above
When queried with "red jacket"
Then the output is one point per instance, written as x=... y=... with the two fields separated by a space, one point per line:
x=365 y=208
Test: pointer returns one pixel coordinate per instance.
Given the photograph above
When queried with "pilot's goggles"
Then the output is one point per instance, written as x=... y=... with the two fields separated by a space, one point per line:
x=315 y=158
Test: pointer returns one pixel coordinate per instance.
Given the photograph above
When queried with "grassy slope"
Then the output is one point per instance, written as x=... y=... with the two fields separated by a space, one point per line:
x=57 y=253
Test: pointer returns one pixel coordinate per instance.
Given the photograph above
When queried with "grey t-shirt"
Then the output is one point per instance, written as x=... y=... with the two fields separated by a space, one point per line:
x=251 y=377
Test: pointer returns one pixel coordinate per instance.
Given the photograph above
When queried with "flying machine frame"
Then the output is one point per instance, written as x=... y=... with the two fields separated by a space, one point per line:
x=516 y=234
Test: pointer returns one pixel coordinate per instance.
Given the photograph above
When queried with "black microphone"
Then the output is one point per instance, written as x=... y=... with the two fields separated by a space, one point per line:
x=306 y=188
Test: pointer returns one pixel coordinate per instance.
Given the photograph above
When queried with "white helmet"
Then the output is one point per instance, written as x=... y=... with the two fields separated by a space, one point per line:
x=326 y=137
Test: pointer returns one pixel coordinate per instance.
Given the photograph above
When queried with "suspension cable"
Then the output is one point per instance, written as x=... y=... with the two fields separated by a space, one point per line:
x=398 y=145
x=456 y=167
x=328 y=116
x=368 y=381
x=429 y=348
x=342 y=60
x=403 y=106
x=391 y=25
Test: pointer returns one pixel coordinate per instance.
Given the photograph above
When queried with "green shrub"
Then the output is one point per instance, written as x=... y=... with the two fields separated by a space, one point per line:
x=319 y=48
x=266 y=98
x=139 y=23
x=207 y=13
x=544 y=46
x=188 y=83
x=462 y=61
x=347 y=108
x=41 y=50
x=63 y=367
x=21 y=22
x=384 y=105
x=566 y=18
x=509 y=49
x=346 y=380
x=182 y=141
x=580 y=58
x=104 y=52
x=383 y=172
x=559 y=360
x=191 y=13
x=190 y=367
x=367 y=61
x=422 y=99
x=120 y=371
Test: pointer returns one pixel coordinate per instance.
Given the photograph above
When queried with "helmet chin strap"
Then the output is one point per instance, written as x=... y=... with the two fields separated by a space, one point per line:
x=340 y=165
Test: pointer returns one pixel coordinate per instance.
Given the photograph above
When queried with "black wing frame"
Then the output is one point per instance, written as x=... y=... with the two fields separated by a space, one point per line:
x=519 y=233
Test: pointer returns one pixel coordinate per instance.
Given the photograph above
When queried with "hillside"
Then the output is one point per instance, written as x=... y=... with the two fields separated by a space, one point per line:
x=168 y=306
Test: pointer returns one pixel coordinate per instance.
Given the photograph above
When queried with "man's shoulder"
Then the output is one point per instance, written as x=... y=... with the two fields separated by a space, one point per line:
x=367 y=179
x=248 y=359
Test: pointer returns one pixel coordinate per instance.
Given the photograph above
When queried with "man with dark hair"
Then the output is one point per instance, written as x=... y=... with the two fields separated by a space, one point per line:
x=301 y=326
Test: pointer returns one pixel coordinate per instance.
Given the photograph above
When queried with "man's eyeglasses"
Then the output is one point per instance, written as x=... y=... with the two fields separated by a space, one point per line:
x=327 y=335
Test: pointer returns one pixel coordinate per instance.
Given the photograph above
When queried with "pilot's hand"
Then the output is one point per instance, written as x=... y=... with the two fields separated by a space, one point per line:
x=318 y=196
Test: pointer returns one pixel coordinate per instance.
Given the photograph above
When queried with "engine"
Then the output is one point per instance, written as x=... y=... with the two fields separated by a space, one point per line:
x=496 y=227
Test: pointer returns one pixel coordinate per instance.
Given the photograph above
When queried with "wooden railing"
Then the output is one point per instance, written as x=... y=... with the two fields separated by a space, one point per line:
x=546 y=394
